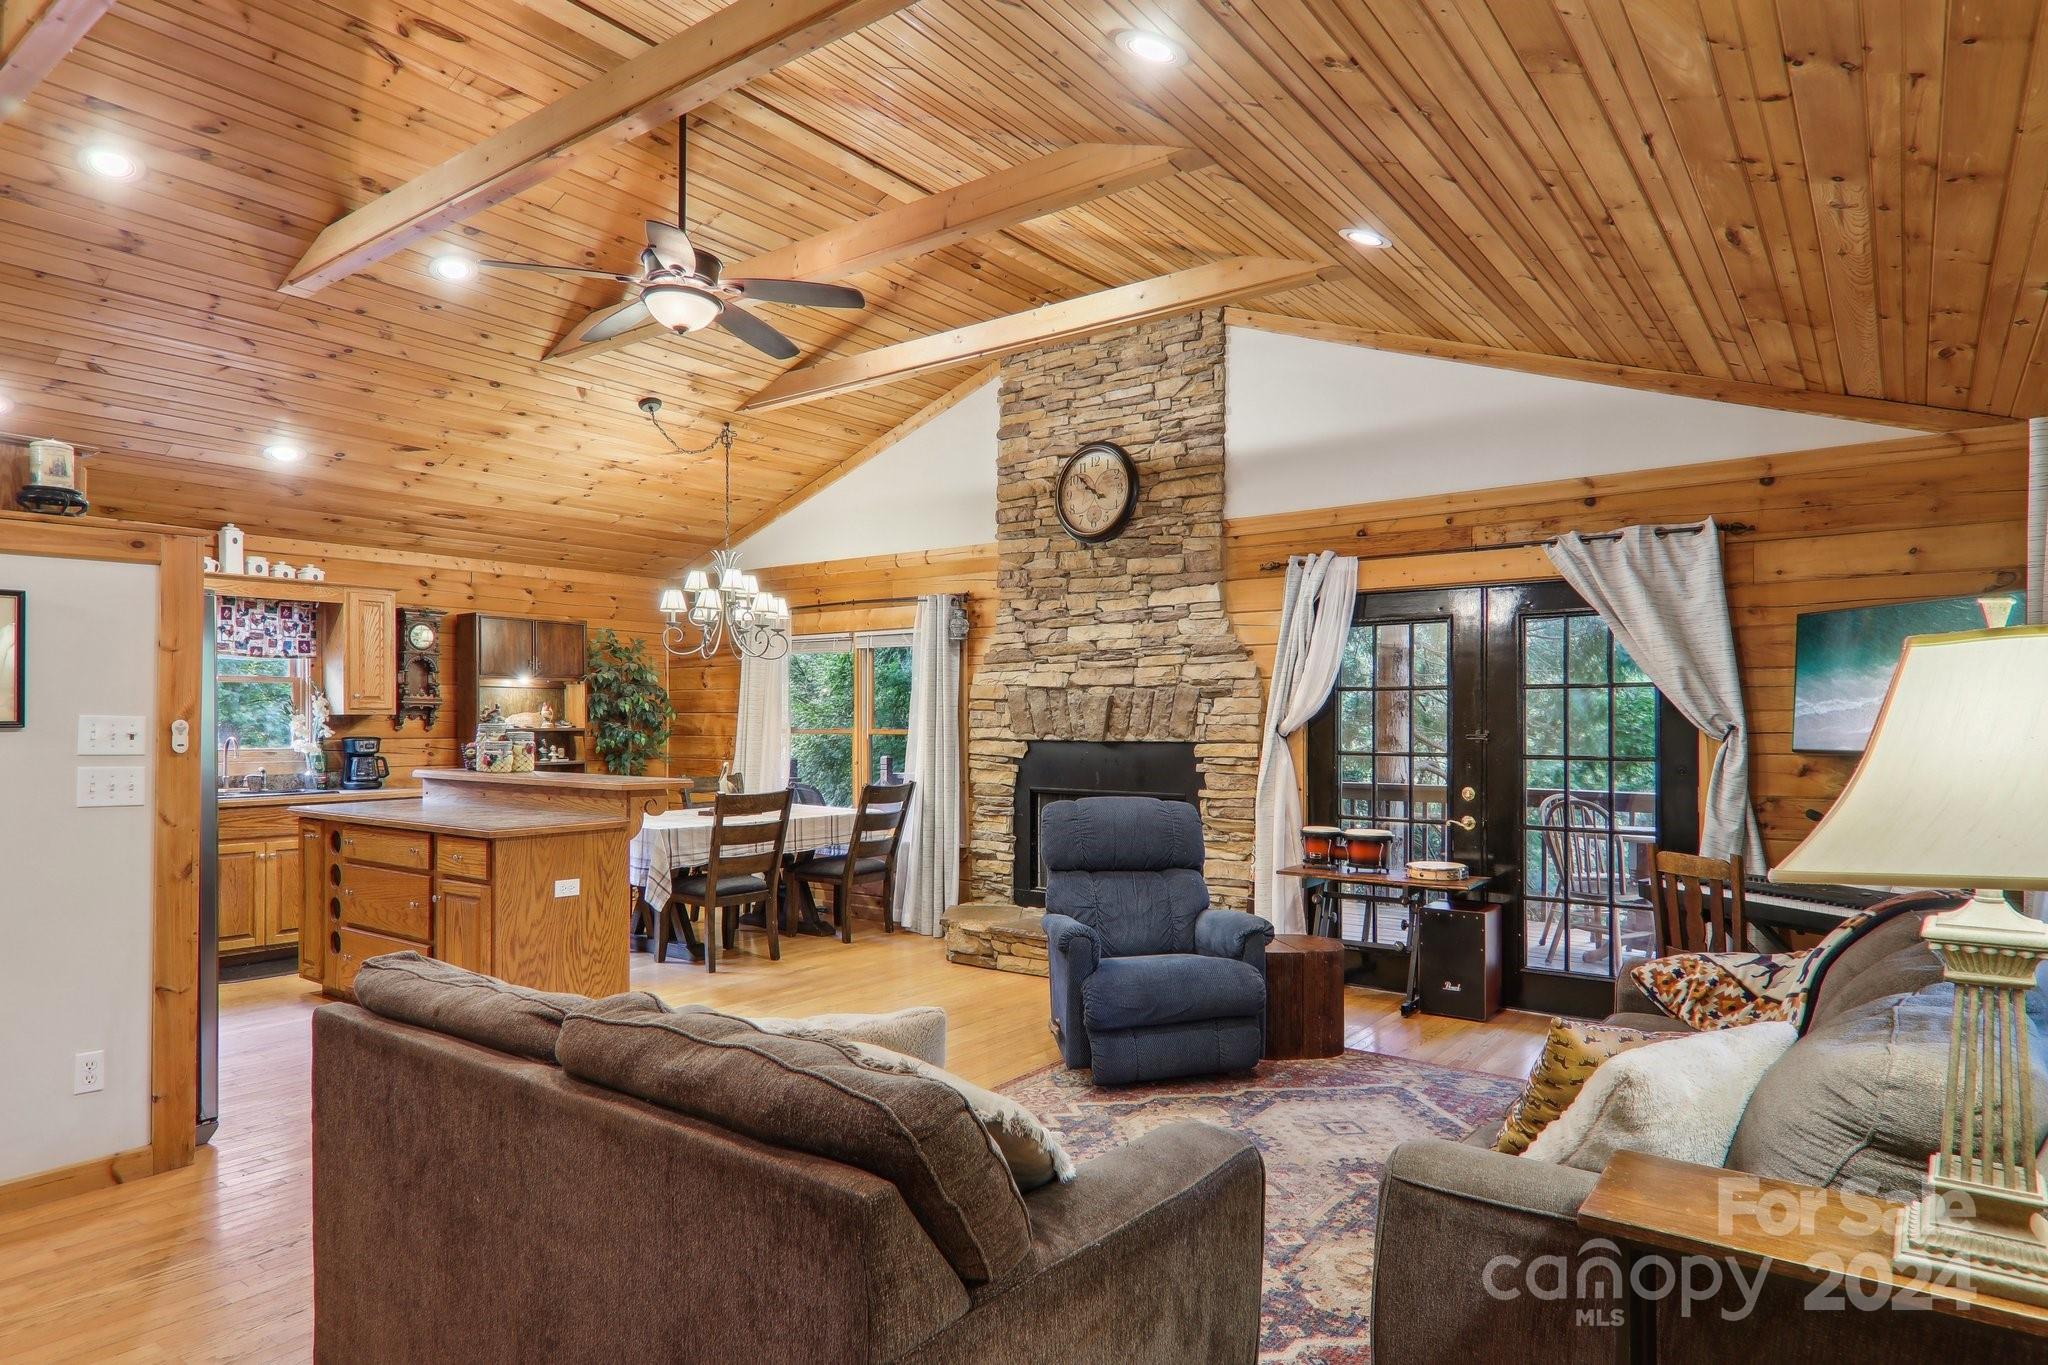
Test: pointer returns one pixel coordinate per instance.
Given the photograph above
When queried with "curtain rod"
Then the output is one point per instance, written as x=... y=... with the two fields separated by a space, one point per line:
x=1732 y=528
x=853 y=602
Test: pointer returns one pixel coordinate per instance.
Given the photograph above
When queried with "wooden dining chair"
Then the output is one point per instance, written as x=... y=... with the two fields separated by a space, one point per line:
x=870 y=856
x=748 y=832
x=1699 y=904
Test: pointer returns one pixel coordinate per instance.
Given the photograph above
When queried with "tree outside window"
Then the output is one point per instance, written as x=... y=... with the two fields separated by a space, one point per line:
x=254 y=701
x=849 y=713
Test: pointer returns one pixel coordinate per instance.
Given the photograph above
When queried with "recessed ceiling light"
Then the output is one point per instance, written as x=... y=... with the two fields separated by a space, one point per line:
x=1149 y=47
x=1364 y=236
x=455 y=269
x=284 y=452
x=109 y=163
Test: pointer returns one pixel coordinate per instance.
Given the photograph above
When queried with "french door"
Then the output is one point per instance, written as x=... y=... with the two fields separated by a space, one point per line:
x=1503 y=727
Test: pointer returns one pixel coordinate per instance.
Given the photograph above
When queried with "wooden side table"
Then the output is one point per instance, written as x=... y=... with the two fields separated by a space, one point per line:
x=1652 y=1205
x=1304 y=997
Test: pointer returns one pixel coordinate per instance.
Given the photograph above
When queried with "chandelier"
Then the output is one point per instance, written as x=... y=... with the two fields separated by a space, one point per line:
x=723 y=604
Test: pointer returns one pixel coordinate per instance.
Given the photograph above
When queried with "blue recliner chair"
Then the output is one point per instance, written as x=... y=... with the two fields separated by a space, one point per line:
x=1148 y=983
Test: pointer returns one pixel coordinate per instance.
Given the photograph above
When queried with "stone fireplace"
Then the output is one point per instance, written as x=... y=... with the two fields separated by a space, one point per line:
x=1124 y=644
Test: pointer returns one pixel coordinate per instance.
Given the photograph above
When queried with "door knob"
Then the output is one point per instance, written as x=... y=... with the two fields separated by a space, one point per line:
x=1466 y=823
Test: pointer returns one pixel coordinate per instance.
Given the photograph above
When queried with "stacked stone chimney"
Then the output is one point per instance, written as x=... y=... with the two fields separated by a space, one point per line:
x=1126 y=640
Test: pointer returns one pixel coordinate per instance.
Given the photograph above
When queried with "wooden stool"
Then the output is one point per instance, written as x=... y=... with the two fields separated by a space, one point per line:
x=1304 y=997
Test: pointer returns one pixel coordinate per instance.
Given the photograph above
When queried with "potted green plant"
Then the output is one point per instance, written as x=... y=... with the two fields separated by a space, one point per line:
x=628 y=706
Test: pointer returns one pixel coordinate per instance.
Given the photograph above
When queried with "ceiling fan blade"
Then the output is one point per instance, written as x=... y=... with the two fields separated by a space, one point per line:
x=756 y=333
x=570 y=270
x=671 y=246
x=801 y=292
x=624 y=318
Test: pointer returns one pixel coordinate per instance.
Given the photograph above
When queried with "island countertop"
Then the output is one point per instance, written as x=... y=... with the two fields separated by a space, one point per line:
x=474 y=819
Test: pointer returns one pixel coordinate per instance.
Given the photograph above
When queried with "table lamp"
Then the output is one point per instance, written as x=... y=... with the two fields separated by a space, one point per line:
x=1953 y=792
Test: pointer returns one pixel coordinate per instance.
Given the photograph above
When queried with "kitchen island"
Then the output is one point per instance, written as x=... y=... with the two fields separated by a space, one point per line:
x=521 y=876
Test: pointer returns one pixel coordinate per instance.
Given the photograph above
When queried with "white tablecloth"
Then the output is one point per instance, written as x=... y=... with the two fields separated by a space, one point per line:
x=678 y=840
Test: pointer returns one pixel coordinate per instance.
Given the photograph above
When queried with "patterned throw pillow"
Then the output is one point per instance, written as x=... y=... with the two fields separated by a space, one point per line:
x=1723 y=990
x=1571 y=1054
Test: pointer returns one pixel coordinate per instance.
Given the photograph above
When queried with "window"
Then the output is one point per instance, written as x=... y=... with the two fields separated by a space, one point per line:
x=254 y=701
x=849 y=713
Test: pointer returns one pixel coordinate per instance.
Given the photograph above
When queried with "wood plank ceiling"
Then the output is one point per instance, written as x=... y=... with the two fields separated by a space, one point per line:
x=1817 y=195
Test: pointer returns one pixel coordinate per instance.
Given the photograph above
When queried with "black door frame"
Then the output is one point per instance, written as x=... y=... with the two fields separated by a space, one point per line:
x=1485 y=732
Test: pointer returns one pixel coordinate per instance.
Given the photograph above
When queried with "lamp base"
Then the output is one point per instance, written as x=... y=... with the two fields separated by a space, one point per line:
x=1989 y=1257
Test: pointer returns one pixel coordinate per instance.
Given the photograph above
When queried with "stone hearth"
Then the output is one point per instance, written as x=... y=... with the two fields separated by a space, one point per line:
x=1127 y=640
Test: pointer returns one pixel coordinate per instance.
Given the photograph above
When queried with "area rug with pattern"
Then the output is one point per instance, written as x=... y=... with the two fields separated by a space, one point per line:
x=1325 y=1128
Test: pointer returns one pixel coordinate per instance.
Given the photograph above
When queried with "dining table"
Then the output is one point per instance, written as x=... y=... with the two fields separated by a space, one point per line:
x=677 y=842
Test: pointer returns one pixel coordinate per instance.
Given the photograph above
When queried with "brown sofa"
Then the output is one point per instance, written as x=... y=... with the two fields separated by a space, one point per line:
x=471 y=1203
x=1854 y=1103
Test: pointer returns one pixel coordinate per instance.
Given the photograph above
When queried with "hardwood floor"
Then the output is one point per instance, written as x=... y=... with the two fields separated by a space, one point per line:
x=214 y=1262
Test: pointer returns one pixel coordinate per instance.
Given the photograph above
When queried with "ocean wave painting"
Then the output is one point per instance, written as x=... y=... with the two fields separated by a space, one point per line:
x=1844 y=660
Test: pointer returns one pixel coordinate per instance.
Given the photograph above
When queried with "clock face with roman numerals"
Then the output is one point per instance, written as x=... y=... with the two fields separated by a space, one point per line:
x=1096 y=493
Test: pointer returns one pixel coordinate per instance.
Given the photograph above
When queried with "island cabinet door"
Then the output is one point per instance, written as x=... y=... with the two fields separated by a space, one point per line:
x=241 y=871
x=462 y=923
x=315 y=919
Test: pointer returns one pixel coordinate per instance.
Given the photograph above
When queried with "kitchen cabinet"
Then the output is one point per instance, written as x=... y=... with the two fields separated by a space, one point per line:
x=523 y=649
x=359 y=652
x=260 y=889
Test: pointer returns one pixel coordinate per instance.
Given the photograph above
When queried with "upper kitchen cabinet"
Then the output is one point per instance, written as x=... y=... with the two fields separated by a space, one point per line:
x=359 y=652
x=526 y=651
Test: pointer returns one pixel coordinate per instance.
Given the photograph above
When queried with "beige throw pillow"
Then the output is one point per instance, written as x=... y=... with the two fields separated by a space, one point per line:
x=1034 y=1154
x=1682 y=1099
x=1571 y=1054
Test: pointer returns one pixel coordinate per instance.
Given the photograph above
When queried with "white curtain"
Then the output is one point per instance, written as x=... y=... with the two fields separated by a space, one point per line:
x=2037 y=564
x=1662 y=595
x=928 y=876
x=760 y=753
x=1315 y=620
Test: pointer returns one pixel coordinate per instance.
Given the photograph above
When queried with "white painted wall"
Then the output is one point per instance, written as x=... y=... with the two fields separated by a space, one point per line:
x=74 y=884
x=934 y=489
x=1320 y=424
x=1315 y=424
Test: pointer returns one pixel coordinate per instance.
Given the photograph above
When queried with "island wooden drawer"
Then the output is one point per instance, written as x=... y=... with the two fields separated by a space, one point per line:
x=351 y=948
x=389 y=847
x=455 y=856
x=389 y=902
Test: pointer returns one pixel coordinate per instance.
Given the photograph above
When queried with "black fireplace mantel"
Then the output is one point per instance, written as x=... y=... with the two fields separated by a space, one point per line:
x=1064 y=769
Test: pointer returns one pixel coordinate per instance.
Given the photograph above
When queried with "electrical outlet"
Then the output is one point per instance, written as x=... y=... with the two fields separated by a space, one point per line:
x=88 y=1073
x=569 y=886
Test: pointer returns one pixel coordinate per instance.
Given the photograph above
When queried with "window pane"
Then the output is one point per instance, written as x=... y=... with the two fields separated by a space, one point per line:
x=1358 y=648
x=892 y=690
x=822 y=761
x=821 y=691
x=1393 y=721
x=1588 y=713
x=1432 y=652
x=236 y=664
x=1543 y=721
x=886 y=755
x=1543 y=649
x=258 y=715
x=1635 y=722
x=1432 y=724
x=1354 y=722
x=1625 y=669
x=1588 y=654
x=1392 y=665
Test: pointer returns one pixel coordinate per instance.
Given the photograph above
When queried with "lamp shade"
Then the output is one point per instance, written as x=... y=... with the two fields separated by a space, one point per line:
x=672 y=601
x=1953 y=788
x=681 y=307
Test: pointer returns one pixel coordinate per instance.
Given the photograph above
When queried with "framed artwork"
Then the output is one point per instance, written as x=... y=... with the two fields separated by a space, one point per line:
x=1843 y=661
x=13 y=659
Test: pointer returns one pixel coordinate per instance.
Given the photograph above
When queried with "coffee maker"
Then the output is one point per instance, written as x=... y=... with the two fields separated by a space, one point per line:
x=363 y=769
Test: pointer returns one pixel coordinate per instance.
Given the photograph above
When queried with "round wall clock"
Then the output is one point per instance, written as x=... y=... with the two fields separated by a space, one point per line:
x=421 y=635
x=1096 y=492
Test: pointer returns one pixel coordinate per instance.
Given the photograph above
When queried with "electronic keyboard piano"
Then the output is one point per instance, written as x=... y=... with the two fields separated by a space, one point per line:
x=1773 y=906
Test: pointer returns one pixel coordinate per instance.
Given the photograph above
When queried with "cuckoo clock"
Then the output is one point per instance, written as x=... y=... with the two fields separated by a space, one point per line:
x=419 y=664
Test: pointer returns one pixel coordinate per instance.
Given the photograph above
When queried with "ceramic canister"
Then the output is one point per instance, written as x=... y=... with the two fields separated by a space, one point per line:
x=231 y=548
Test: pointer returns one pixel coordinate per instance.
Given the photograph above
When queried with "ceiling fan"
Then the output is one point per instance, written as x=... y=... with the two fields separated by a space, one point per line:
x=684 y=288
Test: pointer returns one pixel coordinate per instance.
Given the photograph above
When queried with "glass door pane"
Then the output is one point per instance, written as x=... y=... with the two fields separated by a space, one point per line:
x=1589 y=797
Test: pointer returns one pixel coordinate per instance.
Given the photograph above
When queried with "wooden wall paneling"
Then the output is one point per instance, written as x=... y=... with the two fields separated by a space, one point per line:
x=35 y=35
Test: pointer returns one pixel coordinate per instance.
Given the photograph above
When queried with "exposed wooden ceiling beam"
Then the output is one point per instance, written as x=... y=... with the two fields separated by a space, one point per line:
x=35 y=35
x=1164 y=296
x=1815 y=402
x=704 y=61
x=1042 y=185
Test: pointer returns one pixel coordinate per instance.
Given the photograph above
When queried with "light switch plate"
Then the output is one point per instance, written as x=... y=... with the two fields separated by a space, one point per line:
x=110 y=735
x=568 y=886
x=110 y=786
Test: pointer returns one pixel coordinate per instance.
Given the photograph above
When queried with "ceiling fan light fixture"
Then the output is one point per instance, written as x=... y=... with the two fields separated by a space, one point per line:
x=452 y=267
x=1365 y=236
x=108 y=162
x=1150 y=47
x=681 y=307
